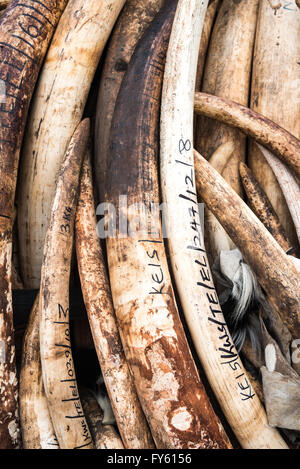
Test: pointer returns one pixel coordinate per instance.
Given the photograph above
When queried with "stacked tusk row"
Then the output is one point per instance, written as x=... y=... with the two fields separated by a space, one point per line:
x=157 y=325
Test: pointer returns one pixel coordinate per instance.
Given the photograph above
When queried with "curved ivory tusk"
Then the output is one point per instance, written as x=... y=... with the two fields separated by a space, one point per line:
x=104 y=436
x=216 y=238
x=275 y=91
x=219 y=159
x=96 y=292
x=24 y=40
x=282 y=143
x=131 y=25
x=274 y=269
x=224 y=370
x=227 y=73
x=57 y=109
x=261 y=206
x=289 y=186
x=37 y=428
x=56 y=354
x=167 y=381
x=205 y=37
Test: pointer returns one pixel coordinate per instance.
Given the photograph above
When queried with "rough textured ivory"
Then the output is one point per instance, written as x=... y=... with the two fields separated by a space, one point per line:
x=167 y=381
x=132 y=23
x=289 y=184
x=57 y=108
x=213 y=343
x=275 y=270
x=37 y=428
x=55 y=346
x=261 y=206
x=275 y=90
x=97 y=296
x=24 y=39
x=227 y=74
x=281 y=142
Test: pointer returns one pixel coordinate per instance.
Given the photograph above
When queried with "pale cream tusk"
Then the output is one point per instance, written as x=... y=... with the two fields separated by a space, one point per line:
x=57 y=109
x=289 y=185
x=131 y=25
x=171 y=393
x=36 y=424
x=275 y=90
x=55 y=342
x=24 y=41
x=219 y=159
x=227 y=74
x=225 y=371
x=97 y=296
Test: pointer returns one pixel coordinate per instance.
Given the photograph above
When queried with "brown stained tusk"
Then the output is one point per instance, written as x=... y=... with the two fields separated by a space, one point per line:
x=227 y=74
x=263 y=130
x=261 y=206
x=104 y=436
x=289 y=185
x=97 y=296
x=56 y=111
x=197 y=294
x=24 y=41
x=167 y=381
x=131 y=25
x=55 y=346
x=216 y=238
x=210 y=14
x=37 y=428
x=274 y=269
x=275 y=93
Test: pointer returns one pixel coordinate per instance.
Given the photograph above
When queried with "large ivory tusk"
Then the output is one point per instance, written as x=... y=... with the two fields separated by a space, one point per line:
x=205 y=37
x=214 y=345
x=275 y=90
x=37 y=428
x=56 y=354
x=289 y=185
x=104 y=436
x=167 y=381
x=261 y=206
x=96 y=292
x=132 y=23
x=274 y=269
x=57 y=109
x=281 y=142
x=227 y=73
x=24 y=39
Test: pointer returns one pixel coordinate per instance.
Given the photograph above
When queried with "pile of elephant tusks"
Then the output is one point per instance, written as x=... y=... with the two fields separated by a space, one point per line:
x=149 y=223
